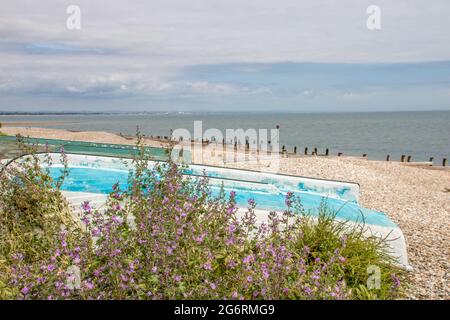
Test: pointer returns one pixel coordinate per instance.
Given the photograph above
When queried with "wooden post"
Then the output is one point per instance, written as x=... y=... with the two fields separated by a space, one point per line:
x=339 y=154
x=402 y=159
x=306 y=151
x=431 y=159
x=444 y=162
x=326 y=152
x=364 y=155
x=315 y=151
x=247 y=149
x=408 y=159
x=388 y=157
x=295 y=150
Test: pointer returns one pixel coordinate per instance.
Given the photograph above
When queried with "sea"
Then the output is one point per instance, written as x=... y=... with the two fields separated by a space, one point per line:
x=419 y=134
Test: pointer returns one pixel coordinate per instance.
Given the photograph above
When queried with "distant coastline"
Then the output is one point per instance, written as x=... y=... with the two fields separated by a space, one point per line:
x=72 y=113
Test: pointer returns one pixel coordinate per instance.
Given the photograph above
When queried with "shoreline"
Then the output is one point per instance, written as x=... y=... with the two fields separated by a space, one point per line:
x=417 y=137
x=161 y=142
x=82 y=136
x=417 y=198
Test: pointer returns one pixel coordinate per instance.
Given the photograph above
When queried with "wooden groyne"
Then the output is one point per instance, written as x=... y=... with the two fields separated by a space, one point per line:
x=237 y=147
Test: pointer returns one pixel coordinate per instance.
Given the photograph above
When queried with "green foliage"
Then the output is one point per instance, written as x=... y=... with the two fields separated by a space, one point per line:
x=32 y=210
x=166 y=237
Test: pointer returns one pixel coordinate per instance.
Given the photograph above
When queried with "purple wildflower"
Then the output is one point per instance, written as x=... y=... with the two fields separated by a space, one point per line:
x=396 y=281
x=207 y=266
x=25 y=290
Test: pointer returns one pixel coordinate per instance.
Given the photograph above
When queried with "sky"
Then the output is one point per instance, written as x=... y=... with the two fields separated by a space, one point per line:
x=224 y=55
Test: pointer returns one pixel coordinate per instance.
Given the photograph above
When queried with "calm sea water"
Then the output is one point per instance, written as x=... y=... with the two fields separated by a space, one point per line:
x=419 y=134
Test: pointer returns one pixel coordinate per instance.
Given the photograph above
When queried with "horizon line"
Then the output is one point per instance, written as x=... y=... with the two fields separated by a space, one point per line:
x=111 y=112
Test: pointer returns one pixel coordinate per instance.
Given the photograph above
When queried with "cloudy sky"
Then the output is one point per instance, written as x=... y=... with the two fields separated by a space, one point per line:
x=223 y=55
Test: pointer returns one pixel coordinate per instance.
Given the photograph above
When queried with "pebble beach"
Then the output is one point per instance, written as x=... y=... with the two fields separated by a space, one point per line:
x=417 y=198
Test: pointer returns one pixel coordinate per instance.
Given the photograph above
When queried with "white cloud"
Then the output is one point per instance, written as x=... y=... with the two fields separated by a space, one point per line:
x=139 y=47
